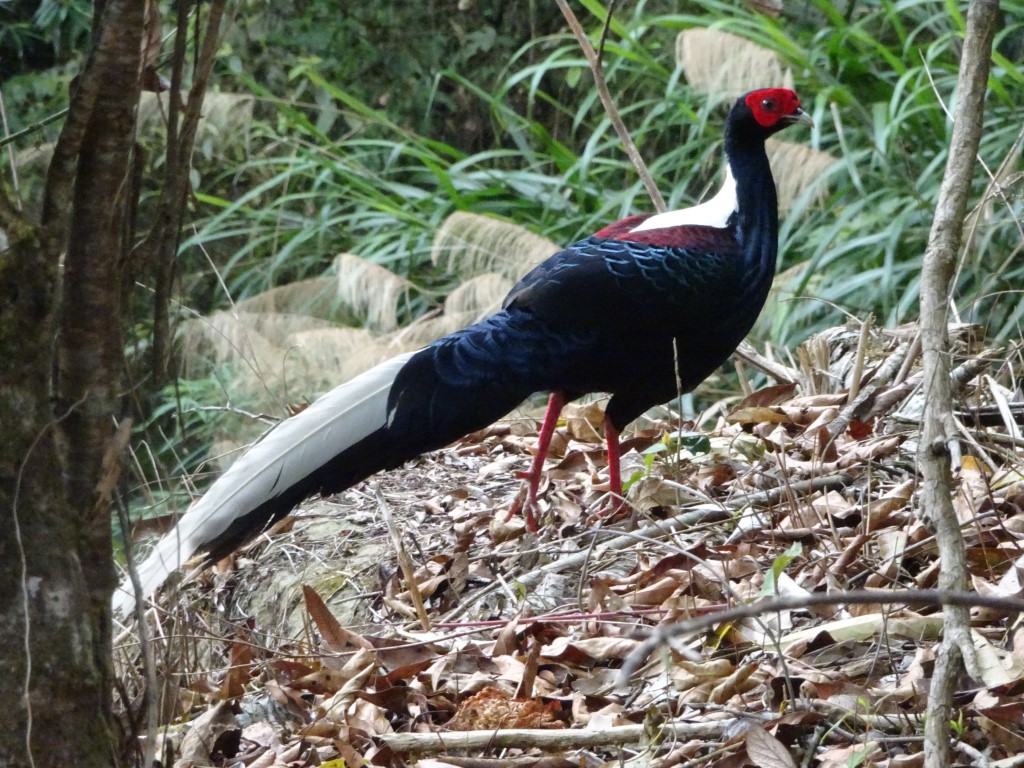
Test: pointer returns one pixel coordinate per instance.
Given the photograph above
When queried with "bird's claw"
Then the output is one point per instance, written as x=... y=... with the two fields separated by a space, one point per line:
x=527 y=507
x=526 y=501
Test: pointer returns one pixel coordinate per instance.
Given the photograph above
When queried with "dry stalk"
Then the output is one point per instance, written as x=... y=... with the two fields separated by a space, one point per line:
x=858 y=360
x=404 y=561
x=781 y=373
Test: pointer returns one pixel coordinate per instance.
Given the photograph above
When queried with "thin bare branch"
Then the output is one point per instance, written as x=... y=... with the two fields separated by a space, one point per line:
x=560 y=738
x=609 y=106
x=665 y=634
x=940 y=449
x=183 y=120
x=32 y=128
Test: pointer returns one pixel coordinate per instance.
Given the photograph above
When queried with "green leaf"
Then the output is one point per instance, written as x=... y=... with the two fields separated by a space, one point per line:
x=779 y=564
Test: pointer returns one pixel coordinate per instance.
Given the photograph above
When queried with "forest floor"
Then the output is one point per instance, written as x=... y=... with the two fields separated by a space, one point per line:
x=407 y=622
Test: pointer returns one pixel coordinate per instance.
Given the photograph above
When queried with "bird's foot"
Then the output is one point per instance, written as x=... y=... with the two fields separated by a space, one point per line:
x=526 y=501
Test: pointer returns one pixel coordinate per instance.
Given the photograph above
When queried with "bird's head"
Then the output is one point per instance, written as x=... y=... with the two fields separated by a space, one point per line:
x=773 y=108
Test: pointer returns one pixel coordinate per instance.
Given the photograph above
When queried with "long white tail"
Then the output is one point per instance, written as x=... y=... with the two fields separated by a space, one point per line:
x=278 y=465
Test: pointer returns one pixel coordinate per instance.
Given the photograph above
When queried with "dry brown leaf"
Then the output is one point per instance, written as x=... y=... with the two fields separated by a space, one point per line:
x=323 y=680
x=240 y=671
x=657 y=593
x=1002 y=719
x=368 y=717
x=766 y=396
x=997 y=665
x=394 y=653
x=335 y=637
x=766 y=751
x=585 y=422
x=877 y=513
x=687 y=675
x=871 y=449
x=525 y=688
x=990 y=557
x=973 y=492
x=216 y=732
x=493 y=709
x=833 y=504
x=761 y=415
x=351 y=758
x=589 y=649
x=355 y=673
x=842 y=757
x=739 y=681
x=288 y=698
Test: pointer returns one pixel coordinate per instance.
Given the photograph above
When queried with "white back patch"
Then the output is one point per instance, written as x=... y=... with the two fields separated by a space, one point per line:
x=714 y=213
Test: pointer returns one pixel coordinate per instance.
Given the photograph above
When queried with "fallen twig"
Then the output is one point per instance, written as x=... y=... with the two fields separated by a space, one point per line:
x=541 y=738
x=666 y=633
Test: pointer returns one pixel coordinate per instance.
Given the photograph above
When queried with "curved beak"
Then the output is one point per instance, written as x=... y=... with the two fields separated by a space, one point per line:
x=801 y=117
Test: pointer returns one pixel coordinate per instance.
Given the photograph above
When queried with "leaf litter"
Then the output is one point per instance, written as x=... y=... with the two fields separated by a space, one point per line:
x=491 y=646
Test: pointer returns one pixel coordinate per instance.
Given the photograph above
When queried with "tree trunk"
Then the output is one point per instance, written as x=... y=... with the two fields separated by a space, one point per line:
x=55 y=538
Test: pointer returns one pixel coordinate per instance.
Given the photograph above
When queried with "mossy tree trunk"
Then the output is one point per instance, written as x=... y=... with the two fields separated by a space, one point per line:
x=60 y=385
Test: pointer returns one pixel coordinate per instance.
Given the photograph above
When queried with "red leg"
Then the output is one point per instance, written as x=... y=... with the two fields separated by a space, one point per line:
x=533 y=476
x=611 y=435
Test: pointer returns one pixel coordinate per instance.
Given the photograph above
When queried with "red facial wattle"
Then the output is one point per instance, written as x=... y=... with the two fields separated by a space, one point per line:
x=769 y=105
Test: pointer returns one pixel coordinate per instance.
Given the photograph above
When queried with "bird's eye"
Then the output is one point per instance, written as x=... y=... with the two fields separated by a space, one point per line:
x=768 y=105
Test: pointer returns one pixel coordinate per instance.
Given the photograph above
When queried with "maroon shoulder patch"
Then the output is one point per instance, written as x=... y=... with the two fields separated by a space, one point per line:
x=691 y=237
x=622 y=227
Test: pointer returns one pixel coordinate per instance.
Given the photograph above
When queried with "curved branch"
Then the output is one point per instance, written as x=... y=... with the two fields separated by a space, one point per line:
x=609 y=106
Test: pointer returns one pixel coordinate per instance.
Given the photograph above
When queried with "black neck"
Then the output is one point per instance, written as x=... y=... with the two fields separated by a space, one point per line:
x=757 y=215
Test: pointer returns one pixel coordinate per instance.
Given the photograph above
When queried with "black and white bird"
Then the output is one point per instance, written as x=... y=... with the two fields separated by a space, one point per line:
x=611 y=313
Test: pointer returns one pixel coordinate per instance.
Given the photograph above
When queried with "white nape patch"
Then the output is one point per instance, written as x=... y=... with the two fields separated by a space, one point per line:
x=714 y=213
x=282 y=457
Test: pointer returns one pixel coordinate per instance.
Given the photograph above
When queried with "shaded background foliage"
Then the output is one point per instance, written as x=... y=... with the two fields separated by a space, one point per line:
x=359 y=127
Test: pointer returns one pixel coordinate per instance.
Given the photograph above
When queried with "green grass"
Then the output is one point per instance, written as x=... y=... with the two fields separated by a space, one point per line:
x=873 y=75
